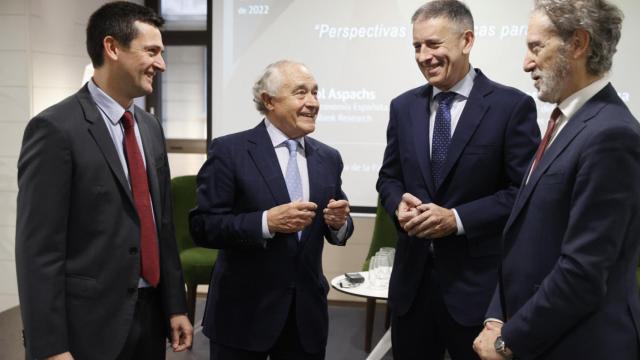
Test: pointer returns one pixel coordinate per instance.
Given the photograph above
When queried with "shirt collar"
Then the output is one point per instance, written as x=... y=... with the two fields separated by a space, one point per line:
x=109 y=107
x=277 y=136
x=573 y=103
x=462 y=87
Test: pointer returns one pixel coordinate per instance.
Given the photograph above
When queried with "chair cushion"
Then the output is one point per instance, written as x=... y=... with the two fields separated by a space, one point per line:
x=197 y=264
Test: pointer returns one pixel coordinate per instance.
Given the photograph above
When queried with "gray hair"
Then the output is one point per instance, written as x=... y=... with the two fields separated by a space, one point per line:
x=269 y=82
x=453 y=10
x=602 y=20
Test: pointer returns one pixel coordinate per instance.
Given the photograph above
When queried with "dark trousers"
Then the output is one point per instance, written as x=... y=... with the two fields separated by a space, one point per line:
x=427 y=329
x=146 y=338
x=287 y=347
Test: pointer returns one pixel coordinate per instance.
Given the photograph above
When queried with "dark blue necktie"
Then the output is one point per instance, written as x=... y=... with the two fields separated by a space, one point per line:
x=441 y=134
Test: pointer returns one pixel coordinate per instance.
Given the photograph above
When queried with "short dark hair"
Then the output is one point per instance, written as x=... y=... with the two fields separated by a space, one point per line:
x=454 y=10
x=116 y=19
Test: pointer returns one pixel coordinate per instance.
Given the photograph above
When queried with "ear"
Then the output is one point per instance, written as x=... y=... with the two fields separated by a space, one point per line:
x=468 y=38
x=580 y=41
x=110 y=48
x=267 y=101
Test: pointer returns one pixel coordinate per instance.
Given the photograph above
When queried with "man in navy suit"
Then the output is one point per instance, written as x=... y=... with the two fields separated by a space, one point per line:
x=457 y=149
x=568 y=287
x=268 y=197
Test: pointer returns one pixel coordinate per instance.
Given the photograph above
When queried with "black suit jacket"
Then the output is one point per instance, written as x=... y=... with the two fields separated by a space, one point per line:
x=77 y=232
x=493 y=142
x=571 y=243
x=255 y=280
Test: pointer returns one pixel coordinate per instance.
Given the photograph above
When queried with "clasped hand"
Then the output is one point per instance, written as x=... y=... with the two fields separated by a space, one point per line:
x=428 y=221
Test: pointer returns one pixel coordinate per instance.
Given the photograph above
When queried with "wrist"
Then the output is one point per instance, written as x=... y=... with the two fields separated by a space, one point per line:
x=502 y=349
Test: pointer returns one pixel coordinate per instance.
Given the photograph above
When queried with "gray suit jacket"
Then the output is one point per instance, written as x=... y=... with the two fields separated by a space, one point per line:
x=77 y=232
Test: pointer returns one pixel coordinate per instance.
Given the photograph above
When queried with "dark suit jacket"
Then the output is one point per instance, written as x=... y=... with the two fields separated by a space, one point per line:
x=571 y=243
x=77 y=235
x=495 y=138
x=255 y=280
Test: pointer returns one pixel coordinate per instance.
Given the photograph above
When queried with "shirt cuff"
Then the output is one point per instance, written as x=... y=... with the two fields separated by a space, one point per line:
x=266 y=234
x=458 y=223
x=492 y=320
x=341 y=233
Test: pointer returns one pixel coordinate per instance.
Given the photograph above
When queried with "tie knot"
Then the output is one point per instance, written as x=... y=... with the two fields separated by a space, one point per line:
x=445 y=97
x=292 y=145
x=555 y=114
x=127 y=120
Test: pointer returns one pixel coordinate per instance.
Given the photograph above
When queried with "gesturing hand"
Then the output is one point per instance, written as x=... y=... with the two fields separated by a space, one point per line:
x=291 y=217
x=336 y=212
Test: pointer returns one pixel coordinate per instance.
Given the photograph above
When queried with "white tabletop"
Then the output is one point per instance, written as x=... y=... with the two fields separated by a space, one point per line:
x=362 y=290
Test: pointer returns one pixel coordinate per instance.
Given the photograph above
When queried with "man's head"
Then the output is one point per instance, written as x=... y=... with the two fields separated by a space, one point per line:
x=442 y=39
x=570 y=43
x=286 y=94
x=124 y=42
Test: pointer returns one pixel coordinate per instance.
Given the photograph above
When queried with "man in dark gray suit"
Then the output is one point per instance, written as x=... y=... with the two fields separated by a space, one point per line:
x=98 y=270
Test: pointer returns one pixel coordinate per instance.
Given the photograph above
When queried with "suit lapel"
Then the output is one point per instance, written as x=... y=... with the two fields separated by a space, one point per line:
x=100 y=134
x=264 y=157
x=144 y=126
x=573 y=127
x=420 y=113
x=473 y=112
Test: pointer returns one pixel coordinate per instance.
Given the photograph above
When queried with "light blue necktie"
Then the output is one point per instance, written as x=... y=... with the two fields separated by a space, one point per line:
x=441 y=135
x=292 y=176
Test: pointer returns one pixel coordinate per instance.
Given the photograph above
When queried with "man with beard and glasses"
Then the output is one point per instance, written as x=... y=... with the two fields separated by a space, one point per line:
x=268 y=197
x=568 y=287
x=457 y=151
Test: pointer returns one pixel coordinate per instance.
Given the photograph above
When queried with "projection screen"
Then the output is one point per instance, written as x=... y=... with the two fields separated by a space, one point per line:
x=361 y=55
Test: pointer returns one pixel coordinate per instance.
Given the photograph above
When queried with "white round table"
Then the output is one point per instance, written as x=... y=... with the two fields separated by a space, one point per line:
x=371 y=293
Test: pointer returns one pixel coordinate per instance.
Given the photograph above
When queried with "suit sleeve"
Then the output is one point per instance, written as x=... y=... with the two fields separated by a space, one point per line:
x=330 y=235
x=215 y=223
x=171 y=280
x=602 y=210
x=487 y=215
x=44 y=178
x=390 y=183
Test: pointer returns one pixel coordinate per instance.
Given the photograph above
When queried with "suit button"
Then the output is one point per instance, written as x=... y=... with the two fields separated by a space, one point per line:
x=131 y=290
x=133 y=250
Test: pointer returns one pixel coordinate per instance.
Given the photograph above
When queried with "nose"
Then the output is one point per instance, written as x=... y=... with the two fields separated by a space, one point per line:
x=528 y=64
x=159 y=63
x=423 y=54
x=311 y=100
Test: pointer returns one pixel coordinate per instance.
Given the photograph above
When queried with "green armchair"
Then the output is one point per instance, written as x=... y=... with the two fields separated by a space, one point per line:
x=384 y=235
x=197 y=262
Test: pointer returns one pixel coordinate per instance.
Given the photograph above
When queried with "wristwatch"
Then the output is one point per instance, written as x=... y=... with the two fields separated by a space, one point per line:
x=501 y=348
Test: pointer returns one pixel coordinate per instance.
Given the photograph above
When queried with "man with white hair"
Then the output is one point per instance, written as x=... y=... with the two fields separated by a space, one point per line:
x=267 y=197
x=568 y=286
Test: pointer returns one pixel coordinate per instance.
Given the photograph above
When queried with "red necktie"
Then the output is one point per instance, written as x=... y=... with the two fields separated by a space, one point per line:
x=149 y=258
x=547 y=137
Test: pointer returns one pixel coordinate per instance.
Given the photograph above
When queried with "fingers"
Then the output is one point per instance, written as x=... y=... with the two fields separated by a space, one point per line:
x=337 y=204
x=411 y=200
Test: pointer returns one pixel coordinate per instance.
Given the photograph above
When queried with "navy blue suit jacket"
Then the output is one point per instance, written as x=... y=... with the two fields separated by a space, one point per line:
x=254 y=280
x=571 y=243
x=493 y=142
